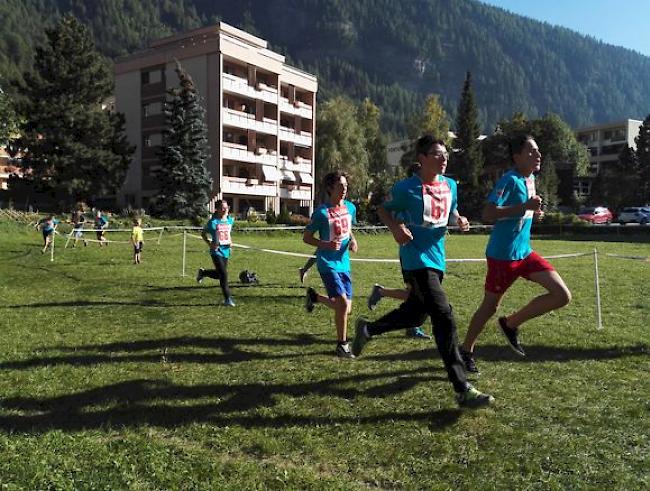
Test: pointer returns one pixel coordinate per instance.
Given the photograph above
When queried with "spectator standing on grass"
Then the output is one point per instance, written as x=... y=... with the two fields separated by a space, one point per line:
x=137 y=239
x=424 y=204
x=333 y=222
x=512 y=205
x=217 y=234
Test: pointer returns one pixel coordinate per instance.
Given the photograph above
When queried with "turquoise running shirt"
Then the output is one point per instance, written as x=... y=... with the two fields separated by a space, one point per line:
x=510 y=237
x=424 y=208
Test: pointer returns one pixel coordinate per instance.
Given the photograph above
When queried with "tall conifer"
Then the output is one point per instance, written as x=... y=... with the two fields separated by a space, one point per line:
x=184 y=178
x=72 y=146
x=643 y=158
x=467 y=158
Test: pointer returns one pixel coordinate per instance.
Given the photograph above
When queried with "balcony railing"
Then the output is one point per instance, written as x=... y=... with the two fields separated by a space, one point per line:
x=239 y=85
x=241 y=185
x=288 y=134
x=300 y=108
x=240 y=119
x=296 y=165
x=233 y=151
x=295 y=192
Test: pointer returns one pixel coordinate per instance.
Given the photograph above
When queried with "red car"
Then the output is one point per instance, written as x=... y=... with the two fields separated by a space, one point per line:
x=596 y=214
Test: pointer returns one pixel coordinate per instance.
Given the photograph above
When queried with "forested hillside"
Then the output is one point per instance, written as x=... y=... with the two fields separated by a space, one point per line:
x=395 y=52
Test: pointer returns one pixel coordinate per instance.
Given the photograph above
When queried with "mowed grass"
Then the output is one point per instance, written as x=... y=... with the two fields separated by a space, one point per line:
x=114 y=376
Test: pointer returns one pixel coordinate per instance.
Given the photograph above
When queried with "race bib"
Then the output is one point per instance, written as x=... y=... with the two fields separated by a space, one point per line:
x=436 y=198
x=223 y=233
x=530 y=191
x=340 y=223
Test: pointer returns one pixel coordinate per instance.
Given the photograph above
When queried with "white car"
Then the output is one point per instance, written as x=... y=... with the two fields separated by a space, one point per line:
x=636 y=214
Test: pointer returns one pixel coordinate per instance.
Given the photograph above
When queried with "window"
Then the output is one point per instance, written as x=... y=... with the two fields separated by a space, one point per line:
x=151 y=109
x=151 y=76
x=153 y=140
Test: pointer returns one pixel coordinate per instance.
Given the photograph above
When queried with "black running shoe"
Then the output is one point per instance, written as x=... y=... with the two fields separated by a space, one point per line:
x=311 y=297
x=343 y=351
x=512 y=335
x=361 y=336
x=374 y=297
x=468 y=361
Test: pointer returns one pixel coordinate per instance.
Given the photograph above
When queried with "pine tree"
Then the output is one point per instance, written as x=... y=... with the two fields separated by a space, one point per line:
x=8 y=118
x=643 y=157
x=467 y=161
x=72 y=147
x=467 y=158
x=184 y=178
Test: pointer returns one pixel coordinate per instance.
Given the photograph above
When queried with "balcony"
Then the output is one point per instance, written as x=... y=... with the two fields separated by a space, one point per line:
x=266 y=92
x=295 y=192
x=240 y=119
x=297 y=108
x=251 y=187
x=234 y=151
x=297 y=165
x=238 y=85
x=289 y=134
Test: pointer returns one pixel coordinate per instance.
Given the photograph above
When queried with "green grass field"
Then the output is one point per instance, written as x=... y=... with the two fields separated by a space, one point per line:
x=114 y=376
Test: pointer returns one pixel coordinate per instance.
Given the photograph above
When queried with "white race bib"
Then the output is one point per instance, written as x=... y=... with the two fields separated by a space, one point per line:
x=340 y=223
x=223 y=233
x=530 y=191
x=436 y=198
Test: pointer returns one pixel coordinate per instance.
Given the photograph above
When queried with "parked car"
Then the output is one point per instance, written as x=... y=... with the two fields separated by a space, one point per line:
x=634 y=214
x=596 y=214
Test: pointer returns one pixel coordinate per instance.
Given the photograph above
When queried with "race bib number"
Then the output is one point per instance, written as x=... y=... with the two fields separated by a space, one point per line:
x=436 y=198
x=340 y=223
x=223 y=233
x=530 y=191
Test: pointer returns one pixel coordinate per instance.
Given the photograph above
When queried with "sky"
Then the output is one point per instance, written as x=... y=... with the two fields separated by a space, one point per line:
x=618 y=22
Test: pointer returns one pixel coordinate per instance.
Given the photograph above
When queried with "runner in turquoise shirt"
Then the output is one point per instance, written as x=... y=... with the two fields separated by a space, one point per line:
x=424 y=204
x=333 y=224
x=512 y=205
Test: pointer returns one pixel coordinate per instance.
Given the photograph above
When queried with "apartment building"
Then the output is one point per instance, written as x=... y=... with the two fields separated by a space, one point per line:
x=604 y=142
x=260 y=114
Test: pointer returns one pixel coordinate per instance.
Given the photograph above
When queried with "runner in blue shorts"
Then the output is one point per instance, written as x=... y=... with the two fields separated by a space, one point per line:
x=333 y=223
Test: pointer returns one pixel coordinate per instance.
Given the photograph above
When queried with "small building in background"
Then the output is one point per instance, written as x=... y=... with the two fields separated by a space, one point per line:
x=604 y=143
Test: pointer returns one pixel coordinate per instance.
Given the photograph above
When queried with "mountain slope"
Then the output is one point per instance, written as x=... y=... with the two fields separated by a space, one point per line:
x=395 y=52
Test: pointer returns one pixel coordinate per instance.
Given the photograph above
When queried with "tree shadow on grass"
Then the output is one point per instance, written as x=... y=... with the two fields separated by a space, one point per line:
x=534 y=353
x=161 y=403
x=231 y=350
x=195 y=287
x=289 y=298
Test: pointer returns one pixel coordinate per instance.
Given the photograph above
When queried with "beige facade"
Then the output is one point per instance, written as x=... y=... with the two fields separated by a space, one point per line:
x=604 y=143
x=260 y=116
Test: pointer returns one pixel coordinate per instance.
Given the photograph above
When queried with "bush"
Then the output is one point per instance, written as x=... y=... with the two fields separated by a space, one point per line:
x=271 y=217
x=558 y=218
x=296 y=219
x=284 y=217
